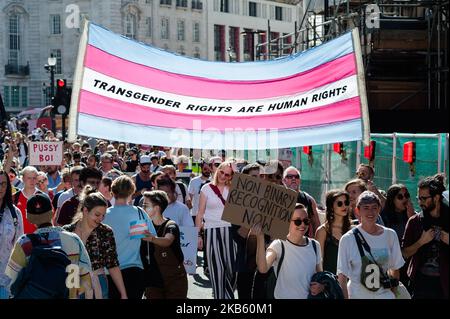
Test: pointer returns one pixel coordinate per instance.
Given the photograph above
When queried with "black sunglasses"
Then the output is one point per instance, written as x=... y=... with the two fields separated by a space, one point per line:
x=401 y=196
x=216 y=164
x=292 y=176
x=340 y=203
x=298 y=222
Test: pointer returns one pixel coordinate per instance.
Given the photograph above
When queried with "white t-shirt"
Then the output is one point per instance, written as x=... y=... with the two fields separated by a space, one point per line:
x=180 y=193
x=214 y=208
x=299 y=265
x=179 y=213
x=386 y=250
x=194 y=189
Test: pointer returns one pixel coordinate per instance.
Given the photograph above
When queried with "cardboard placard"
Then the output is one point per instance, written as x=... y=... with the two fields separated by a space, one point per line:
x=189 y=241
x=253 y=200
x=46 y=153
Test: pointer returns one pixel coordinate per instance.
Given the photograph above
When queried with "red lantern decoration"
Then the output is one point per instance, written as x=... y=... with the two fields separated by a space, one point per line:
x=369 y=151
x=409 y=152
x=338 y=148
x=307 y=150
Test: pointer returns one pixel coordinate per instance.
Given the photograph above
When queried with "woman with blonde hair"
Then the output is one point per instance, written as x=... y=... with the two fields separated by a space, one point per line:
x=98 y=239
x=220 y=246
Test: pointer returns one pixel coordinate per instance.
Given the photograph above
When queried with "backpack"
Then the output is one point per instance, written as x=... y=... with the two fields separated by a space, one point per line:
x=271 y=277
x=45 y=275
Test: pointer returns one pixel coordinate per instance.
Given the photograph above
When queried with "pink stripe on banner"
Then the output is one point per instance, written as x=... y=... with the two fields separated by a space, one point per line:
x=148 y=77
x=97 y=105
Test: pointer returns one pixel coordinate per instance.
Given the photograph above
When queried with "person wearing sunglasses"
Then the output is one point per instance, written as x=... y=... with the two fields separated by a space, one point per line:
x=426 y=241
x=214 y=163
x=396 y=212
x=292 y=180
x=220 y=246
x=398 y=209
x=337 y=223
x=301 y=260
x=369 y=256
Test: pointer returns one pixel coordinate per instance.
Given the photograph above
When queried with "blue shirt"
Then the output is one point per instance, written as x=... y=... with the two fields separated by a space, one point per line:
x=179 y=213
x=128 y=250
x=53 y=183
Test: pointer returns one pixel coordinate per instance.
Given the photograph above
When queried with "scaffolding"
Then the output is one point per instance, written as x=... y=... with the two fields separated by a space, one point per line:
x=404 y=47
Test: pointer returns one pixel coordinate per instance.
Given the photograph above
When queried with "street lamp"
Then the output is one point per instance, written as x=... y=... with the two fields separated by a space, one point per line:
x=50 y=67
x=253 y=33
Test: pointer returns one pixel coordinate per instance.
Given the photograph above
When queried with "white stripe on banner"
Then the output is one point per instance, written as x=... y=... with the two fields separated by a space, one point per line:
x=107 y=86
x=239 y=140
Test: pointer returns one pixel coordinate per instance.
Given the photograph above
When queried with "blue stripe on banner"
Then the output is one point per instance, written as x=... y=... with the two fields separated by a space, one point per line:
x=139 y=134
x=144 y=54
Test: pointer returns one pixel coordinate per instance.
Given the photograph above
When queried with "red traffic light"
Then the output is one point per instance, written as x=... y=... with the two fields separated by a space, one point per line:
x=61 y=83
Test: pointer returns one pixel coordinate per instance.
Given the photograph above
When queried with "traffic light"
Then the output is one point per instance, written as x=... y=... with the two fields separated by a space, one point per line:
x=61 y=101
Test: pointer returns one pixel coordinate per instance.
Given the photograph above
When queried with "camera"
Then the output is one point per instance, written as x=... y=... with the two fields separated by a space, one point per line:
x=388 y=282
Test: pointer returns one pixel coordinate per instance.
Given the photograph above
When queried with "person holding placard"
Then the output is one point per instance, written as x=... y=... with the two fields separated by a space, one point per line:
x=163 y=258
x=296 y=258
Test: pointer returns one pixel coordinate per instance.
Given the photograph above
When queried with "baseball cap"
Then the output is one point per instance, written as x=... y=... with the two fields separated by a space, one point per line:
x=39 y=204
x=368 y=197
x=145 y=159
x=215 y=159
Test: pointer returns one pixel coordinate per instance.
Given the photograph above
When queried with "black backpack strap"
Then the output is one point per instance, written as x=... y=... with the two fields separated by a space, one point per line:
x=12 y=209
x=16 y=196
x=357 y=234
x=313 y=242
x=281 y=258
x=183 y=190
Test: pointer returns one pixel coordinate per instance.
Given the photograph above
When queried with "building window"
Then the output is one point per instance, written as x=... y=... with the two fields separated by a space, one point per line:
x=6 y=96
x=130 y=26
x=46 y=98
x=166 y=2
x=14 y=40
x=252 y=9
x=57 y=54
x=15 y=96
x=196 y=33
x=24 y=96
x=233 y=40
x=279 y=13
x=180 y=30
x=165 y=28
x=182 y=3
x=224 y=6
x=55 y=24
x=219 y=43
x=197 y=5
x=148 y=22
x=181 y=50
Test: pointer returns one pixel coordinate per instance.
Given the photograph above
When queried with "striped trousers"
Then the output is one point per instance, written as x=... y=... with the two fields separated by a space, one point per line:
x=221 y=255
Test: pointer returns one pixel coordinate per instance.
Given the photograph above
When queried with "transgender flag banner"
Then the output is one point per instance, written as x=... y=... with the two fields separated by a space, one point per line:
x=132 y=92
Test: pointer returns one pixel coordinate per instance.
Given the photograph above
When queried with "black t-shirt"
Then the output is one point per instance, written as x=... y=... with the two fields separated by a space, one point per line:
x=153 y=276
x=131 y=166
